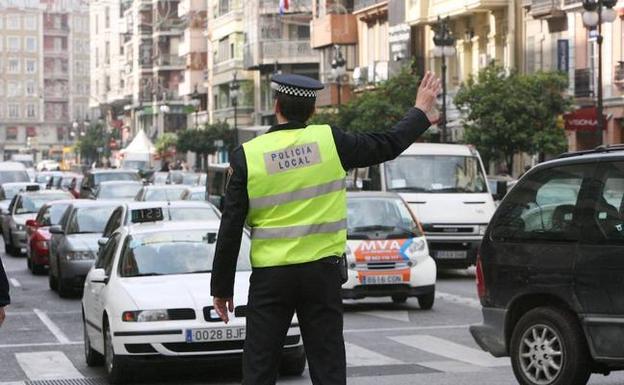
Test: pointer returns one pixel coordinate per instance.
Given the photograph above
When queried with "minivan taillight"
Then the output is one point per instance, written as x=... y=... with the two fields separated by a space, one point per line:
x=481 y=289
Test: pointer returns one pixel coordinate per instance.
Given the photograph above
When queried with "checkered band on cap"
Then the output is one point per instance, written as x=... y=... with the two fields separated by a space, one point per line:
x=294 y=91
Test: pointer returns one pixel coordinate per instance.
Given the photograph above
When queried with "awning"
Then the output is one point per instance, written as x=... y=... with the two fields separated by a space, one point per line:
x=584 y=120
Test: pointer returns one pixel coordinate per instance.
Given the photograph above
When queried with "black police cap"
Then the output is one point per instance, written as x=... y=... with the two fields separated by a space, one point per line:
x=296 y=85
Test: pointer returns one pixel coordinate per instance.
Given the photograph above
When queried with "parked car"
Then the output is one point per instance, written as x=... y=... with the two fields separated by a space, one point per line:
x=65 y=181
x=160 y=193
x=159 y=177
x=13 y=172
x=25 y=206
x=47 y=179
x=118 y=190
x=549 y=273
x=38 y=234
x=11 y=189
x=73 y=245
x=387 y=254
x=159 y=272
x=196 y=193
x=94 y=177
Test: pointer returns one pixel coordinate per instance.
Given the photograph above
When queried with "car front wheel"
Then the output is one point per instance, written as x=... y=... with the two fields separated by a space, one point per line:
x=92 y=357
x=548 y=348
x=115 y=366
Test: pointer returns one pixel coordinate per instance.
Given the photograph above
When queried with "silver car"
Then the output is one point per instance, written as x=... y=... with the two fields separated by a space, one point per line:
x=8 y=191
x=74 y=243
x=23 y=207
x=118 y=190
x=161 y=193
x=195 y=193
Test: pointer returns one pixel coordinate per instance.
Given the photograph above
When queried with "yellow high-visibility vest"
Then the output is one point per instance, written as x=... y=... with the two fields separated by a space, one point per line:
x=297 y=197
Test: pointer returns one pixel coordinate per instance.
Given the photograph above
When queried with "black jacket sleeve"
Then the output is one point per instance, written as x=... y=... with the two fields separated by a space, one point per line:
x=363 y=150
x=231 y=228
x=4 y=287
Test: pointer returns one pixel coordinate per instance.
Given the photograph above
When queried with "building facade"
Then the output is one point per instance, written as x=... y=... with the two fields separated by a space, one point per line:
x=44 y=75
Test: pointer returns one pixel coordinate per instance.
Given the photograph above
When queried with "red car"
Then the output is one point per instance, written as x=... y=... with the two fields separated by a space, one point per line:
x=38 y=234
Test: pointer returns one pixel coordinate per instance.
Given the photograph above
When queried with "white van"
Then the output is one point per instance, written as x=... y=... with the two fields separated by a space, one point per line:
x=446 y=187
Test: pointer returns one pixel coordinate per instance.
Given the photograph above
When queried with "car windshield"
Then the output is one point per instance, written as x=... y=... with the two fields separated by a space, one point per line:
x=53 y=214
x=435 y=174
x=119 y=191
x=176 y=177
x=197 y=196
x=30 y=204
x=90 y=219
x=164 y=194
x=13 y=176
x=160 y=178
x=109 y=176
x=192 y=213
x=44 y=178
x=174 y=252
x=190 y=179
x=385 y=218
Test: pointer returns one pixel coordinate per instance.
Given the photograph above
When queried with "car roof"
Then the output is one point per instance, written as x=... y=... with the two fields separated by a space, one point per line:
x=580 y=157
x=439 y=149
x=146 y=228
x=12 y=166
x=197 y=188
x=118 y=182
x=80 y=203
x=60 y=202
x=165 y=187
x=372 y=194
x=112 y=171
x=55 y=173
x=18 y=184
x=44 y=192
x=175 y=204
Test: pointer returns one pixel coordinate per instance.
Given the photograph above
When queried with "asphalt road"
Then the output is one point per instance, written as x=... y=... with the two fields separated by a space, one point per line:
x=386 y=343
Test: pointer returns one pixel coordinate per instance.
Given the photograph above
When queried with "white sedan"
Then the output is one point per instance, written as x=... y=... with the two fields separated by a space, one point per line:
x=148 y=297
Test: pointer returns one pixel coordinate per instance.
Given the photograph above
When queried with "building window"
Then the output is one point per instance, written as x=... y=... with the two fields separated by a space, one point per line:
x=13 y=66
x=30 y=22
x=13 y=89
x=30 y=88
x=31 y=66
x=97 y=24
x=13 y=110
x=31 y=110
x=107 y=52
x=11 y=133
x=13 y=22
x=13 y=43
x=97 y=57
x=107 y=18
x=31 y=44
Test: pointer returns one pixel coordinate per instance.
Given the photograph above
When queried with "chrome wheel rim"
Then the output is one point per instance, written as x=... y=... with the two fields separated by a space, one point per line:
x=109 y=351
x=541 y=354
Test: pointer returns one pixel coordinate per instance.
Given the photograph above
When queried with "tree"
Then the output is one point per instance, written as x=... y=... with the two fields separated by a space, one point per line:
x=202 y=142
x=507 y=113
x=94 y=143
x=165 y=143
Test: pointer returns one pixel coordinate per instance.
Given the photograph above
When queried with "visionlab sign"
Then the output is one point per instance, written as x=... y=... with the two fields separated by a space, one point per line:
x=583 y=119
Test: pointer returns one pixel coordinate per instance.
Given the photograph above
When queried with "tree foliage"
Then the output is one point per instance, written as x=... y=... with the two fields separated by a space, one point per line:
x=95 y=137
x=508 y=113
x=164 y=143
x=202 y=142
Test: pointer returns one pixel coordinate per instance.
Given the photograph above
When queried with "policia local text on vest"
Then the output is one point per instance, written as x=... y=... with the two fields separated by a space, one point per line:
x=289 y=186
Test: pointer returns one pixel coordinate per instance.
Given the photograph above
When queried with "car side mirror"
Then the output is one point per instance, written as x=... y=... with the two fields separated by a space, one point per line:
x=32 y=223
x=98 y=276
x=102 y=242
x=56 y=229
x=501 y=190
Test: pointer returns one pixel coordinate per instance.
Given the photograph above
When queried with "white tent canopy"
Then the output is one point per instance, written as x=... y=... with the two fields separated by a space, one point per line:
x=140 y=145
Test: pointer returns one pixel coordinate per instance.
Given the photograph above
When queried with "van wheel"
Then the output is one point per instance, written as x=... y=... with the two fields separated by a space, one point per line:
x=115 y=365
x=294 y=363
x=548 y=348
x=426 y=301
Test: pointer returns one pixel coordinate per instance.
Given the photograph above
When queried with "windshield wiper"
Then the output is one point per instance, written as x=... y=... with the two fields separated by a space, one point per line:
x=146 y=275
x=362 y=229
x=409 y=189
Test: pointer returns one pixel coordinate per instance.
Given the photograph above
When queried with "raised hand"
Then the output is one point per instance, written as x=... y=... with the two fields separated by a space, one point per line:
x=429 y=89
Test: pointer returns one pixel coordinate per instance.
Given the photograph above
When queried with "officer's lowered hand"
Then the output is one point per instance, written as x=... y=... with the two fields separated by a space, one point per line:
x=222 y=306
x=429 y=89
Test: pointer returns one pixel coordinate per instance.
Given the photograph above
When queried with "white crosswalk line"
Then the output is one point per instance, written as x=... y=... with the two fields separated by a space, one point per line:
x=359 y=356
x=452 y=350
x=450 y=366
x=15 y=282
x=13 y=383
x=458 y=299
x=398 y=315
x=54 y=329
x=53 y=365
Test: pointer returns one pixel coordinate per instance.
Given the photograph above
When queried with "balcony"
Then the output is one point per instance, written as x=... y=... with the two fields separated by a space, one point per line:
x=266 y=53
x=173 y=26
x=168 y=62
x=55 y=53
x=268 y=7
x=583 y=83
x=192 y=79
x=227 y=66
x=56 y=30
x=363 y=4
x=193 y=41
x=334 y=29
x=187 y=7
x=546 y=9
x=55 y=75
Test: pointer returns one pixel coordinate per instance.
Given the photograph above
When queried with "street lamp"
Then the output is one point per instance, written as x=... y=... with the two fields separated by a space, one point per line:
x=339 y=69
x=444 y=42
x=596 y=13
x=234 y=94
x=195 y=102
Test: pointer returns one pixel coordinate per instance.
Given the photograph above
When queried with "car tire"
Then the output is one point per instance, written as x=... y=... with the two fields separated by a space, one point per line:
x=426 y=301
x=549 y=340
x=115 y=365
x=29 y=263
x=64 y=290
x=37 y=269
x=8 y=245
x=52 y=281
x=399 y=298
x=293 y=364
x=92 y=357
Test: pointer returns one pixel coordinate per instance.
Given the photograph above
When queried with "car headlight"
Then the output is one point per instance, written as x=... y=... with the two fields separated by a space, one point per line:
x=482 y=229
x=79 y=255
x=417 y=251
x=145 y=316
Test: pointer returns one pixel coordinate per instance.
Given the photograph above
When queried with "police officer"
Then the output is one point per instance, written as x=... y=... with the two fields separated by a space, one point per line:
x=4 y=293
x=289 y=185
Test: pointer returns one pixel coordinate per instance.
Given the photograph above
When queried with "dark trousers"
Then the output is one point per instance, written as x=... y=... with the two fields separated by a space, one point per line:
x=275 y=293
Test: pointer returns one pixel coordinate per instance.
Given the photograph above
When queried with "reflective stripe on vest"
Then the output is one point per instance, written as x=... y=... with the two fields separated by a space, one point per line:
x=297 y=197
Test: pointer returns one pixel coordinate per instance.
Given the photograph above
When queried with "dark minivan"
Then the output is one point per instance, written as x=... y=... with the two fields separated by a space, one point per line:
x=550 y=274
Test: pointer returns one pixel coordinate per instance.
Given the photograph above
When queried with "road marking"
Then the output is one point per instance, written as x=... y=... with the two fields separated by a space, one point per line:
x=452 y=350
x=359 y=356
x=13 y=383
x=53 y=365
x=58 y=333
x=399 y=315
x=36 y=344
x=450 y=366
x=407 y=328
x=15 y=282
x=458 y=299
